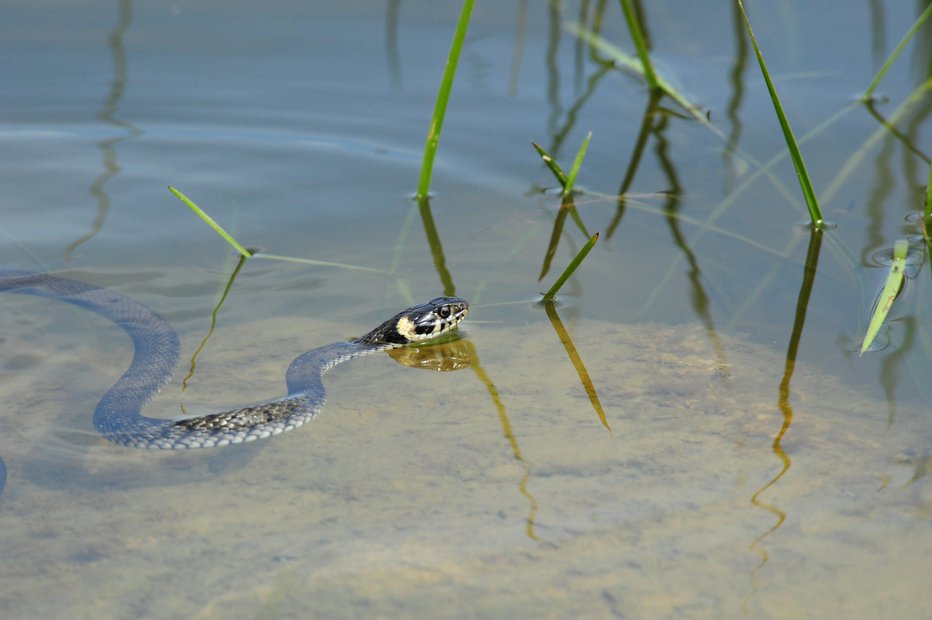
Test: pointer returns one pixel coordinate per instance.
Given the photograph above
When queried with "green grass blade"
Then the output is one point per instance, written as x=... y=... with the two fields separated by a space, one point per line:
x=929 y=193
x=210 y=222
x=248 y=254
x=633 y=64
x=568 y=207
x=443 y=97
x=577 y=164
x=552 y=164
x=891 y=288
x=925 y=222
x=318 y=263
x=570 y=268
x=869 y=93
x=566 y=180
x=640 y=44
x=805 y=184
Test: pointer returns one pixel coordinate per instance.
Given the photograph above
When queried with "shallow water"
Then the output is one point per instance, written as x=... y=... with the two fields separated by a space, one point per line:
x=497 y=490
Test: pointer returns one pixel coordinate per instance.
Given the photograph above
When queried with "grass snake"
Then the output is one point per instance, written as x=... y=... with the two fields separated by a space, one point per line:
x=118 y=416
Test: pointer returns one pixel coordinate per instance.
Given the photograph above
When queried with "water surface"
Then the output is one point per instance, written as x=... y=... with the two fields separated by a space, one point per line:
x=693 y=487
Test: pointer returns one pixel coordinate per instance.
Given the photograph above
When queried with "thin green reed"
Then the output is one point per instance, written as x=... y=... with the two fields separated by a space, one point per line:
x=635 y=65
x=640 y=44
x=928 y=211
x=443 y=97
x=566 y=181
x=869 y=93
x=896 y=277
x=210 y=222
x=570 y=268
x=247 y=253
x=551 y=163
x=577 y=164
x=567 y=206
x=805 y=184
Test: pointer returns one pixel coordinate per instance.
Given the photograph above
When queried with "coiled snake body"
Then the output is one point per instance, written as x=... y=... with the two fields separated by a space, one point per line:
x=118 y=416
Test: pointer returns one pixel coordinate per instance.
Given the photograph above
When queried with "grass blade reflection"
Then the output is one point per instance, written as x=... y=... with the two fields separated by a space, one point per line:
x=213 y=325
x=509 y=435
x=576 y=360
x=436 y=246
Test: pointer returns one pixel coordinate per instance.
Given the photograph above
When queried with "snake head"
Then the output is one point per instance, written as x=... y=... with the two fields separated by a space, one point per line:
x=421 y=322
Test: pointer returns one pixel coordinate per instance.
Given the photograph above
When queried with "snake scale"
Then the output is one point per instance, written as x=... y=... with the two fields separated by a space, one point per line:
x=118 y=416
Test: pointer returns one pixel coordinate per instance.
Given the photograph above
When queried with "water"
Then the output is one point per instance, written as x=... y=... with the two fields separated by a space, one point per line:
x=496 y=490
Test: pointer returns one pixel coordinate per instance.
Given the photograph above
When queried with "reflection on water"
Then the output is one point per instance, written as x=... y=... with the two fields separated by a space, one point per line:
x=576 y=360
x=436 y=246
x=444 y=357
x=192 y=368
x=736 y=78
x=783 y=401
x=107 y=114
x=392 y=56
x=509 y=434
x=704 y=486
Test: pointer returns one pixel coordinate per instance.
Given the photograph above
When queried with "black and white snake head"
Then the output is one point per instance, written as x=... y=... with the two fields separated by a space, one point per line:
x=421 y=322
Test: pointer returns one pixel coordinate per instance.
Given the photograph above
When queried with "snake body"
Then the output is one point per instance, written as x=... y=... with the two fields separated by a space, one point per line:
x=118 y=416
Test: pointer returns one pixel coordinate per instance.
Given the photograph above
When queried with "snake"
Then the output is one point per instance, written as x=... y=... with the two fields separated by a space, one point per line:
x=118 y=416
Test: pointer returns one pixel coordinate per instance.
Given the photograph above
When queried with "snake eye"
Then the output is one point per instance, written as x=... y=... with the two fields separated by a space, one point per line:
x=444 y=312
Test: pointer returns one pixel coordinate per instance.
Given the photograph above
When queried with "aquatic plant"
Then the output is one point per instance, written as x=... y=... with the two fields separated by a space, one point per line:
x=580 y=256
x=892 y=286
x=443 y=97
x=210 y=222
x=812 y=203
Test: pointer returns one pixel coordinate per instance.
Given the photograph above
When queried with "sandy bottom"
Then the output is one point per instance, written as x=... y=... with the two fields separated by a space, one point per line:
x=415 y=495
